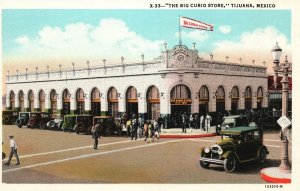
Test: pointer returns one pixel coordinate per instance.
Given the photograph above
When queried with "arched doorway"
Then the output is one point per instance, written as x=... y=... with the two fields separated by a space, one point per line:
x=153 y=103
x=220 y=100
x=131 y=101
x=53 y=102
x=21 y=100
x=235 y=96
x=42 y=101
x=95 y=102
x=30 y=101
x=203 y=100
x=12 y=100
x=180 y=103
x=260 y=96
x=80 y=101
x=66 y=102
x=113 y=105
x=248 y=98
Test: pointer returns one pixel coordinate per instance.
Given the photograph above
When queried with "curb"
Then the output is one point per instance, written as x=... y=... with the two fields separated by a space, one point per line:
x=187 y=136
x=271 y=179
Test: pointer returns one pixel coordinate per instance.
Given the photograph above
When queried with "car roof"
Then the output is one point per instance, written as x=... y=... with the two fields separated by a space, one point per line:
x=239 y=130
x=232 y=116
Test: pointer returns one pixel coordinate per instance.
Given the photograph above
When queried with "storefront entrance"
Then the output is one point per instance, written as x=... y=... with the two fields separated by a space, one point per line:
x=131 y=101
x=180 y=103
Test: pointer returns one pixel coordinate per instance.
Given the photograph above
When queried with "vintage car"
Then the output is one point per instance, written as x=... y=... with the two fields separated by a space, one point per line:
x=78 y=123
x=237 y=145
x=9 y=117
x=55 y=124
x=232 y=121
x=23 y=119
x=269 y=119
x=107 y=125
x=38 y=120
x=120 y=122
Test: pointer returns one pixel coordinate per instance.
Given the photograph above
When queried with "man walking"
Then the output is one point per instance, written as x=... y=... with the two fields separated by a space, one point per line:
x=95 y=134
x=13 y=151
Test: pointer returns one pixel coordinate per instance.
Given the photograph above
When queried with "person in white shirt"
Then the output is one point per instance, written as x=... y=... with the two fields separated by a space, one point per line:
x=13 y=146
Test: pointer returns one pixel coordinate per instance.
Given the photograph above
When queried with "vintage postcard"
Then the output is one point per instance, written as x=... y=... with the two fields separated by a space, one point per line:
x=149 y=95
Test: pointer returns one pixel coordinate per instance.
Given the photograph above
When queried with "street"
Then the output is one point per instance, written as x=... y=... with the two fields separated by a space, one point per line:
x=60 y=157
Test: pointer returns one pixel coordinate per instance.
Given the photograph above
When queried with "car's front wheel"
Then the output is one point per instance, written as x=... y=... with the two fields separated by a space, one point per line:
x=262 y=156
x=230 y=163
x=204 y=164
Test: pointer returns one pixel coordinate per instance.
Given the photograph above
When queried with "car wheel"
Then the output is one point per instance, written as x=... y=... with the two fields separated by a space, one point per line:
x=79 y=127
x=67 y=127
x=204 y=164
x=230 y=163
x=52 y=124
x=262 y=156
x=59 y=126
x=42 y=125
x=19 y=123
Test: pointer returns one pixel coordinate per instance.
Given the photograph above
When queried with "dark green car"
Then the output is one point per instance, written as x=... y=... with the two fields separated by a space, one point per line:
x=78 y=123
x=23 y=119
x=9 y=117
x=237 y=145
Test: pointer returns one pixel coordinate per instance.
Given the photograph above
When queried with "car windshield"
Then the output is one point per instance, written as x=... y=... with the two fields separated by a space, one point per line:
x=236 y=137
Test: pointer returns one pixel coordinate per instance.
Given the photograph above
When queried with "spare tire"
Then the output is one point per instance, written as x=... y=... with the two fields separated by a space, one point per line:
x=79 y=127
x=51 y=124
x=19 y=122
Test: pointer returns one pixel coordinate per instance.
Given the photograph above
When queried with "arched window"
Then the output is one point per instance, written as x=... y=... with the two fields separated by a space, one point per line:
x=31 y=101
x=131 y=101
x=112 y=99
x=42 y=96
x=53 y=104
x=248 y=98
x=21 y=100
x=260 y=96
x=66 y=102
x=80 y=96
x=220 y=98
x=203 y=100
x=12 y=100
x=180 y=92
x=235 y=95
x=153 y=102
x=95 y=102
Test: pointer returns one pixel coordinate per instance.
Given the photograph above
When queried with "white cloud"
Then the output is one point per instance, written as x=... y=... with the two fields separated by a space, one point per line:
x=255 y=45
x=226 y=29
x=110 y=39
x=22 y=40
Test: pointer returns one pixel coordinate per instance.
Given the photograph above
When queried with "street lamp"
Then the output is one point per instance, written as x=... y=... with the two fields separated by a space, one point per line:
x=284 y=170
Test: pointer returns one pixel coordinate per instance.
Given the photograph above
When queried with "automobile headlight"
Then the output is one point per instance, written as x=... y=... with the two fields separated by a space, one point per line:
x=219 y=125
x=207 y=150
x=227 y=126
x=220 y=151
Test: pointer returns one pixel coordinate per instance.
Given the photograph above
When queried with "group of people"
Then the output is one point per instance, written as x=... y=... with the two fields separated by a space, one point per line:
x=139 y=127
x=195 y=121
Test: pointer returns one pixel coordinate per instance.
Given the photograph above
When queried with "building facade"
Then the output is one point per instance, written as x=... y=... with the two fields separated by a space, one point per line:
x=177 y=81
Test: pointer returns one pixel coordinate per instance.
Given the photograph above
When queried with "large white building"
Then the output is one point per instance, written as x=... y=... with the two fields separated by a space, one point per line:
x=175 y=82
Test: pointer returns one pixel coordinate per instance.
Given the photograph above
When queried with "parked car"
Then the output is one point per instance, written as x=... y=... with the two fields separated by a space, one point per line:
x=9 y=117
x=232 y=121
x=23 y=119
x=38 y=120
x=120 y=122
x=78 y=123
x=107 y=125
x=237 y=146
x=55 y=124
x=269 y=119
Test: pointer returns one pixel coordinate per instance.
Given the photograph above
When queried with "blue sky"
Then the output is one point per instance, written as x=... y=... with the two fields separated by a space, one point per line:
x=46 y=36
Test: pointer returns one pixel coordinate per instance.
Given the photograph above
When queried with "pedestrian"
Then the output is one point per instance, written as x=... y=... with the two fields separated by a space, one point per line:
x=196 y=121
x=207 y=121
x=184 y=122
x=128 y=127
x=150 y=132
x=96 y=134
x=156 y=129
x=202 y=122
x=134 y=128
x=160 y=122
x=141 y=126
x=191 y=121
x=13 y=151
x=146 y=130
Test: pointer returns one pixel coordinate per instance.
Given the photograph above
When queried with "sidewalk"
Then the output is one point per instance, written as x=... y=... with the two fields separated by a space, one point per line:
x=190 y=133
